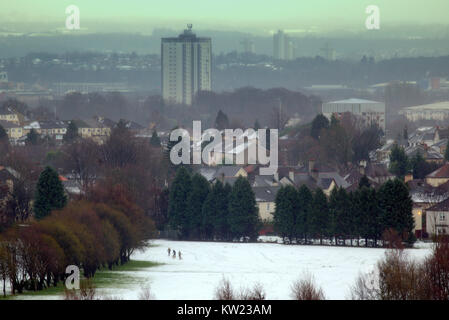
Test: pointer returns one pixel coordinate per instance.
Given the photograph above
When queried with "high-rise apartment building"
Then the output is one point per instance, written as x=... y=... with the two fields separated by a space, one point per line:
x=186 y=66
x=283 y=48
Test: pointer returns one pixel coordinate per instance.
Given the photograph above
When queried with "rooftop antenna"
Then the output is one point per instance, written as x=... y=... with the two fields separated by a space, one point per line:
x=189 y=26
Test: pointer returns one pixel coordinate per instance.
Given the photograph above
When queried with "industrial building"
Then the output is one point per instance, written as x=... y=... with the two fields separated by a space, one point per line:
x=371 y=112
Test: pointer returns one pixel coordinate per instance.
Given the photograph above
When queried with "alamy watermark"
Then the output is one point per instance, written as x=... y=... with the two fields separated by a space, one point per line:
x=235 y=146
x=72 y=21
x=73 y=278
x=372 y=22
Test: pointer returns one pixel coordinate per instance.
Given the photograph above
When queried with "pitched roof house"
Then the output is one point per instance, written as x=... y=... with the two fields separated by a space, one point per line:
x=437 y=218
x=439 y=176
x=265 y=201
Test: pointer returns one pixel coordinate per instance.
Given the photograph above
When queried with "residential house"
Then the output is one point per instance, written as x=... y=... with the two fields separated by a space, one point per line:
x=136 y=128
x=207 y=172
x=313 y=176
x=439 y=176
x=71 y=186
x=265 y=201
x=54 y=129
x=11 y=115
x=382 y=154
x=97 y=128
x=425 y=196
x=440 y=146
x=13 y=129
x=229 y=173
x=423 y=136
x=244 y=150
x=8 y=177
x=437 y=218
x=431 y=155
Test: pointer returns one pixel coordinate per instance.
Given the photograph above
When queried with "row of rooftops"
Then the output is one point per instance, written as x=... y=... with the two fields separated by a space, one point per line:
x=96 y=122
x=430 y=142
x=313 y=176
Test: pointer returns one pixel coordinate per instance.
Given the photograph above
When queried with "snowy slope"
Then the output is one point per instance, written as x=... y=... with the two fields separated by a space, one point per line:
x=275 y=266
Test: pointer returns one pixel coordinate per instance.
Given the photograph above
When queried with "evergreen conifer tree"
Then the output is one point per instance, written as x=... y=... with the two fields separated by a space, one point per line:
x=178 y=197
x=364 y=182
x=343 y=218
x=399 y=163
x=370 y=214
x=3 y=134
x=32 y=138
x=446 y=153
x=49 y=194
x=243 y=214
x=195 y=201
x=396 y=205
x=305 y=199
x=287 y=201
x=72 y=132
x=215 y=212
x=320 y=217
x=155 y=141
x=320 y=122
x=221 y=121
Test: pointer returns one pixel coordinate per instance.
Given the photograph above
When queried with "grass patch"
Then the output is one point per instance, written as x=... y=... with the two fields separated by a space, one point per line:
x=116 y=277
x=134 y=265
x=104 y=278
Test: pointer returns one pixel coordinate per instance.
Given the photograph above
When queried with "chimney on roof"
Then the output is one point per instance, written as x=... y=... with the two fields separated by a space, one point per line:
x=311 y=166
x=362 y=167
x=291 y=175
x=408 y=177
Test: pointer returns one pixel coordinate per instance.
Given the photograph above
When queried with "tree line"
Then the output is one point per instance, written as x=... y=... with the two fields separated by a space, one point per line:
x=101 y=231
x=302 y=215
x=199 y=211
x=337 y=142
x=43 y=229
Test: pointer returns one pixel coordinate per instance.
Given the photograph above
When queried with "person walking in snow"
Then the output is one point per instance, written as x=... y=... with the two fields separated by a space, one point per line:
x=174 y=254
x=179 y=254
x=168 y=250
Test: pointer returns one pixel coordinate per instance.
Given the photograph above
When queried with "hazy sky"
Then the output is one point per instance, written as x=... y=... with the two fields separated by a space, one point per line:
x=251 y=15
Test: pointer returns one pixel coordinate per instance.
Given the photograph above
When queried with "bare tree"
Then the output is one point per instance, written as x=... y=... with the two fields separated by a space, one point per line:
x=146 y=294
x=256 y=293
x=306 y=289
x=87 y=291
x=224 y=291
x=82 y=159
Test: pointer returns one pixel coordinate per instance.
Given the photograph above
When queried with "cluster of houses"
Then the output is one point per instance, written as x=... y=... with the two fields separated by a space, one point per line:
x=430 y=142
x=17 y=127
x=313 y=175
x=430 y=196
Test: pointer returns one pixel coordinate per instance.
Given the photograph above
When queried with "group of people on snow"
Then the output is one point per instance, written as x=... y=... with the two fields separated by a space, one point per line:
x=173 y=253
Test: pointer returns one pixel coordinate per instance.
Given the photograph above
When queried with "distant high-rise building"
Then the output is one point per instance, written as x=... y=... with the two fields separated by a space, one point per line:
x=328 y=53
x=3 y=76
x=283 y=48
x=186 y=66
x=248 y=46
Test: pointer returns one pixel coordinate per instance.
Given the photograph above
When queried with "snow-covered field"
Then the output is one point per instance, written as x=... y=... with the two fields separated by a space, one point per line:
x=275 y=266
